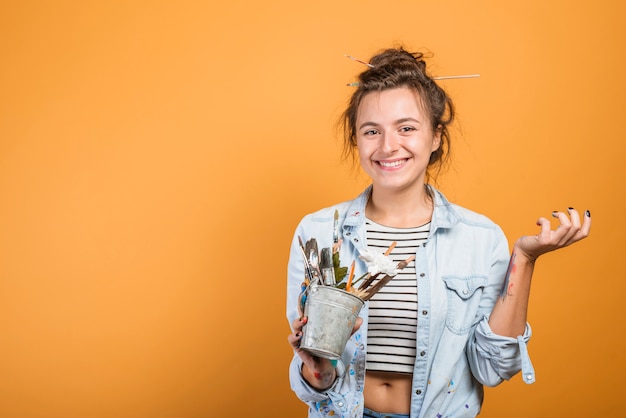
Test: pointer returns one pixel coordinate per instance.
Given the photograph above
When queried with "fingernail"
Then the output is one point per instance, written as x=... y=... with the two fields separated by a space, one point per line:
x=555 y=214
x=588 y=214
x=298 y=334
x=304 y=319
x=570 y=208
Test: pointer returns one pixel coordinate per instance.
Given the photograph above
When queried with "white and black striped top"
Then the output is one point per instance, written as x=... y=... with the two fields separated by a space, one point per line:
x=392 y=320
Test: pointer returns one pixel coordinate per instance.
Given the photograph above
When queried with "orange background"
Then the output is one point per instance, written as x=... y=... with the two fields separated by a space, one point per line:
x=155 y=158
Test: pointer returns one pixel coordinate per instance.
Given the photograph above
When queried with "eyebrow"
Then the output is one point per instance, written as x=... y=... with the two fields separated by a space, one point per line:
x=398 y=122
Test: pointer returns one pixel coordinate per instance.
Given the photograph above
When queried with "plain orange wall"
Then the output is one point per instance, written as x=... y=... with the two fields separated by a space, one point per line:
x=155 y=158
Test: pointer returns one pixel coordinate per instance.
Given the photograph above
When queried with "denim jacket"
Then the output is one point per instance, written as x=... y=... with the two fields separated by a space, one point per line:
x=460 y=271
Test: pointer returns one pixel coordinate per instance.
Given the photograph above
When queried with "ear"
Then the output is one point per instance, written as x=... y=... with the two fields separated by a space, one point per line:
x=436 y=139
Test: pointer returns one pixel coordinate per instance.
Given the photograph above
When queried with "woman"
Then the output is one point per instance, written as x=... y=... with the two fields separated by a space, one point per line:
x=455 y=318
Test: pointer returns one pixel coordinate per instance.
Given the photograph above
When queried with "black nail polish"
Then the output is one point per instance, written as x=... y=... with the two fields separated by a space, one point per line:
x=570 y=208
x=588 y=214
x=555 y=214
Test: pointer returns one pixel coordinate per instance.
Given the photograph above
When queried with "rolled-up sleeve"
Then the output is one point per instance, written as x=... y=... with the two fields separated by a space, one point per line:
x=494 y=358
x=307 y=393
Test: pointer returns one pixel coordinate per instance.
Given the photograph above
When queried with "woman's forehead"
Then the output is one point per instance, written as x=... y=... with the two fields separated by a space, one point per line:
x=391 y=103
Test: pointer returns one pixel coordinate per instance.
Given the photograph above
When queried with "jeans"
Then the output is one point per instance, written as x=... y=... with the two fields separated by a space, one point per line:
x=368 y=413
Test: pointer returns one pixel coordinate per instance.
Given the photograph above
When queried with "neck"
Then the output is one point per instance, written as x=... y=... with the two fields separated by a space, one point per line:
x=404 y=209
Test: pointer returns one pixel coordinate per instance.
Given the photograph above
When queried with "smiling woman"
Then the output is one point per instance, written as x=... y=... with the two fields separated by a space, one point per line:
x=395 y=142
x=454 y=319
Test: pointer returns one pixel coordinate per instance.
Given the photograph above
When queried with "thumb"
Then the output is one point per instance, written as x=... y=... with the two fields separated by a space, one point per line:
x=357 y=324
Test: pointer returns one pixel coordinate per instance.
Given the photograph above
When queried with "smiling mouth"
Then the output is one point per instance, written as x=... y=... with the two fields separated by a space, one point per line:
x=391 y=164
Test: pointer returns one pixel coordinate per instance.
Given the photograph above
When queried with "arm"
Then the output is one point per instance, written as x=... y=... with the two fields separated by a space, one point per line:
x=508 y=317
x=498 y=350
x=313 y=379
x=318 y=373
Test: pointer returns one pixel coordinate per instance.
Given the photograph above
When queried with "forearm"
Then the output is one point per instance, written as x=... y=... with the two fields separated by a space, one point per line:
x=509 y=314
x=319 y=380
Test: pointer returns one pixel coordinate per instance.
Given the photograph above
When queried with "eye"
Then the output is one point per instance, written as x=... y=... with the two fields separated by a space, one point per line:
x=370 y=132
x=407 y=129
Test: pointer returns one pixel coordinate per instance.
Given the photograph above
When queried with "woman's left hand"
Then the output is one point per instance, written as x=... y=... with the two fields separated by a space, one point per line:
x=570 y=230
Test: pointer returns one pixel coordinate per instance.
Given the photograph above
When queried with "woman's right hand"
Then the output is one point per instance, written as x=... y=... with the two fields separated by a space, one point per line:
x=317 y=371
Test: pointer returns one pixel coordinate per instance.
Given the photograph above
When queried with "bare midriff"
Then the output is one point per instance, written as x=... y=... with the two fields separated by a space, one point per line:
x=388 y=392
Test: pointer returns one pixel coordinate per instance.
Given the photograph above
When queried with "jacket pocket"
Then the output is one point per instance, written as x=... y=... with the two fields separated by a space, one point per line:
x=464 y=295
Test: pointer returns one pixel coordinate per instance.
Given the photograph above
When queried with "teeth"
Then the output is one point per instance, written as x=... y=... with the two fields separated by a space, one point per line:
x=391 y=164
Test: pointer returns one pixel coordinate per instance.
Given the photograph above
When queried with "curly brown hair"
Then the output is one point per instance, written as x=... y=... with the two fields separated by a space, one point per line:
x=396 y=68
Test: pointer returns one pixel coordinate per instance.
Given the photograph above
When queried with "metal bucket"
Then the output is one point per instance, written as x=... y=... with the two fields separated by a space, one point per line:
x=331 y=316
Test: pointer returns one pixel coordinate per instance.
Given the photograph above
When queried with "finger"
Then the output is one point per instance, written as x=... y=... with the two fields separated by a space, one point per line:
x=357 y=324
x=583 y=231
x=574 y=217
x=564 y=219
x=299 y=323
x=574 y=227
x=561 y=233
x=586 y=227
x=294 y=339
x=544 y=232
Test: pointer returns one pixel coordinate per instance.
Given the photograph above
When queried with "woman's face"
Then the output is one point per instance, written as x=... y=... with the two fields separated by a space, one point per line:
x=394 y=139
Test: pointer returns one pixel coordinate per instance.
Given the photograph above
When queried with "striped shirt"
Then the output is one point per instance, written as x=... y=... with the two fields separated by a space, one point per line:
x=392 y=320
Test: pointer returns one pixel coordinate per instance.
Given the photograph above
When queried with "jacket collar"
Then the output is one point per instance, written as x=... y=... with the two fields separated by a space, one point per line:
x=444 y=213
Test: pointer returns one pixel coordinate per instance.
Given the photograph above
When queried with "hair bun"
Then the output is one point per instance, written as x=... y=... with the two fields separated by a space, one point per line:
x=399 y=58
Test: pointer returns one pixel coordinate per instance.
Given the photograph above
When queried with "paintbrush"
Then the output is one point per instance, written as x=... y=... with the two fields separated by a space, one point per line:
x=382 y=282
x=369 y=278
x=308 y=271
x=326 y=267
x=312 y=255
x=350 y=276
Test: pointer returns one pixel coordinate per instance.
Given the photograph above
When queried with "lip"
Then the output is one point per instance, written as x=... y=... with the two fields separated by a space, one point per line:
x=392 y=164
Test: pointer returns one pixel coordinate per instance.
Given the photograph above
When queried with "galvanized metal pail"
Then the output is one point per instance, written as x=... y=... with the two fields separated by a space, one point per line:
x=331 y=316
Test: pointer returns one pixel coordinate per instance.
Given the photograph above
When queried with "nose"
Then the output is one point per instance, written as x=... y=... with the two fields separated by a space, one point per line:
x=389 y=142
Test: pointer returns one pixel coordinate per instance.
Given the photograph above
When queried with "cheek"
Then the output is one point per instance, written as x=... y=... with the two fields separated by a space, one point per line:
x=365 y=151
x=360 y=149
x=364 y=155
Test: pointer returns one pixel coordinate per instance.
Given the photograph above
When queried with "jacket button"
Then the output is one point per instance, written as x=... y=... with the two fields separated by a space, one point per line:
x=339 y=404
x=424 y=312
x=423 y=353
x=418 y=392
x=422 y=274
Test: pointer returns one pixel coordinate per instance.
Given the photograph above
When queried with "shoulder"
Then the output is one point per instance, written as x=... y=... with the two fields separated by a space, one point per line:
x=478 y=228
x=459 y=227
x=349 y=208
x=471 y=217
x=459 y=216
